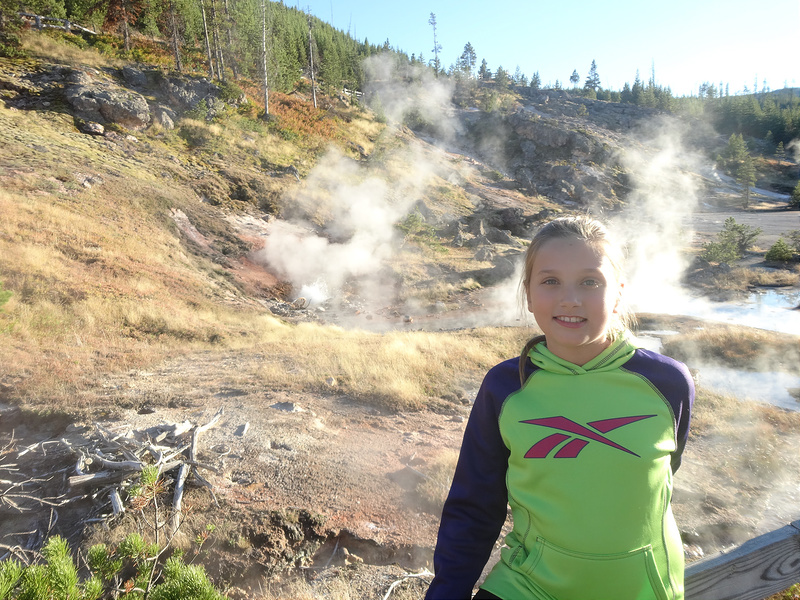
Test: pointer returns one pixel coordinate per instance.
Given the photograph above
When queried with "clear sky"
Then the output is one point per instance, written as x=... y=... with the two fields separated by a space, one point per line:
x=687 y=41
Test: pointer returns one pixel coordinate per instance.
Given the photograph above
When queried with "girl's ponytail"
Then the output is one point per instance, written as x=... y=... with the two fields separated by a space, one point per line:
x=523 y=358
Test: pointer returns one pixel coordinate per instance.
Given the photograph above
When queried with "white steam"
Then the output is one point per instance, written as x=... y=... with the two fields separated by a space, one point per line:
x=341 y=227
x=411 y=94
x=356 y=236
x=655 y=224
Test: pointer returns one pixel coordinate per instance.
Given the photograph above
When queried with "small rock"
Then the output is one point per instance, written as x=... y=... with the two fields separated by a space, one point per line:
x=93 y=128
x=287 y=407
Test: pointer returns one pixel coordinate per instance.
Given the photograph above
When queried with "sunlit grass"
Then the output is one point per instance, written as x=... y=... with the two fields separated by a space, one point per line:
x=53 y=50
x=736 y=346
x=395 y=370
x=743 y=278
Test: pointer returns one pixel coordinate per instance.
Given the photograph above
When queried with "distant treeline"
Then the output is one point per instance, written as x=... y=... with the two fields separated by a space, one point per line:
x=226 y=35
x=225 y=38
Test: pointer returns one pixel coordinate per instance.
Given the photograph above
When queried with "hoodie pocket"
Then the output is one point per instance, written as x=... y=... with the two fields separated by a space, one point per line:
x=570 y=575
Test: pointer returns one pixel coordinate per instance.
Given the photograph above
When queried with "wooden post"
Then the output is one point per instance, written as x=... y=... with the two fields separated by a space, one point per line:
x=757 y=569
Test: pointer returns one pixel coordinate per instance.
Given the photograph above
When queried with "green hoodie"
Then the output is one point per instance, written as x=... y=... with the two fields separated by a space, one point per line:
x=592 y=450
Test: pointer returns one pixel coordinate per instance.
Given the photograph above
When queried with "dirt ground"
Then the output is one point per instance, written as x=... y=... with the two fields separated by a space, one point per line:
x=319 y=486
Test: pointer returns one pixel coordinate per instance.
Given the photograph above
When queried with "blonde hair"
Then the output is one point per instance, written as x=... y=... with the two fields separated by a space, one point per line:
x=597 y=237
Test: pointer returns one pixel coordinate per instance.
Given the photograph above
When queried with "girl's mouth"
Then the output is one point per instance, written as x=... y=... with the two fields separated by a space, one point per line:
x=570 y=321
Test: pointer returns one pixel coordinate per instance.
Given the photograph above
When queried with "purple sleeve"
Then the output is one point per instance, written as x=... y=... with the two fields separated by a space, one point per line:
x=674 y=383
x=476 y=507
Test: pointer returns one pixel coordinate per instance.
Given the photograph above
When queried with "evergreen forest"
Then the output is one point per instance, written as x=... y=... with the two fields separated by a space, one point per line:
x=252 y=41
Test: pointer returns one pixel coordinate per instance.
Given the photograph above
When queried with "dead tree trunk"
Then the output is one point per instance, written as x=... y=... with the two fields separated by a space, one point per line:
x=217 y=45
x=264 y=56
x=176 y=46
x=208 y=42
x=126 y=34
x=311 y=56
x=228 y=28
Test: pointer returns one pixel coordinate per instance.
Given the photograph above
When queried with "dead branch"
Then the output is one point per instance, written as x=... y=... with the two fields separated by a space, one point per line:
x=116 y=502
x=178 y=498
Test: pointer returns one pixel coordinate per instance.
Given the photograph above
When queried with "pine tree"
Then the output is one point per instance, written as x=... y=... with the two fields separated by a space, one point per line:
x=501 y=78
x=574 y=78
x=466 y=63
x=483 y=72
x=536 y=81
x=592 y=79
x=746 y=176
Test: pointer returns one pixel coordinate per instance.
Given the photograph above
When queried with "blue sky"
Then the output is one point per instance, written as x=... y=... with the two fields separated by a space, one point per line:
x=688 y=41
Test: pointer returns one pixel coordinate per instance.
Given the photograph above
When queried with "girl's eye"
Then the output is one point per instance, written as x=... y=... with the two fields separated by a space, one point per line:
x=591 y=283
x=550 y=281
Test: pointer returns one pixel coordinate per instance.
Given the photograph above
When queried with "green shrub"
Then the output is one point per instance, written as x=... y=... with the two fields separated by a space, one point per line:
x=719 y=252
x=229 y=91
x=794 y=239
x=57 y=578
x=10 y=574
x=199 y=112
x=183 y=582
x=732 y=242
x=780 y=252
x=4 y=296
x=795 y=201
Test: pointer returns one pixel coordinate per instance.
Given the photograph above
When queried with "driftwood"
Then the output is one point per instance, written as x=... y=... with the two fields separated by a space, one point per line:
x=107 y=461
x=184 y=471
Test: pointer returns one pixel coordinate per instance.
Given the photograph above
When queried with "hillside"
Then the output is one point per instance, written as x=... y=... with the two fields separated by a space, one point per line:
x=336 y=278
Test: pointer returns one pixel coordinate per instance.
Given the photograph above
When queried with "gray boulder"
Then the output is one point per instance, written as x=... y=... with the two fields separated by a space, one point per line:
x=97 y=99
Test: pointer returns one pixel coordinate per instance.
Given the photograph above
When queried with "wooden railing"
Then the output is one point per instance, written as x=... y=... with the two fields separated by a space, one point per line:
x=40 y=22
x=757 y=569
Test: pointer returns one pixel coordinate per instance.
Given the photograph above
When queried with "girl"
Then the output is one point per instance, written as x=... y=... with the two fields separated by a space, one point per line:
x=580 y=436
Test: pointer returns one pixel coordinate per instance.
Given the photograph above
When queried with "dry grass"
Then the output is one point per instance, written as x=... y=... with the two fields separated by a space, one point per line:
x=735 y=346
x=744 y=278
x=45 y=47
x=395 y=370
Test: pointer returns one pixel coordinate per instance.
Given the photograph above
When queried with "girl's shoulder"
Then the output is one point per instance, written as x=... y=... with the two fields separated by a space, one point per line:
x=655 y=360
x=670 y=376
x=501 y=381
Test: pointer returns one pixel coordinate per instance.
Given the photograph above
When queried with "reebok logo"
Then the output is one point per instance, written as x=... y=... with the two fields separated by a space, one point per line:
x=581 y=435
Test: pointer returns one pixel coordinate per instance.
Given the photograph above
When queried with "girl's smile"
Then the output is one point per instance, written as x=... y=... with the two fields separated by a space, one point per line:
x=573 y=294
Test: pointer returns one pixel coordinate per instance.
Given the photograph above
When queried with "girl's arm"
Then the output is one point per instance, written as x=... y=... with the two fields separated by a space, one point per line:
x=476 y=507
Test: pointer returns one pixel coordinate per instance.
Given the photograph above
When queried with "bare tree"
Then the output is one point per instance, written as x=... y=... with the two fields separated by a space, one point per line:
x=437 y=66
x=208 y=42
x=216 y=40
x=175 y=37
x=311 y=56
x=264 y=56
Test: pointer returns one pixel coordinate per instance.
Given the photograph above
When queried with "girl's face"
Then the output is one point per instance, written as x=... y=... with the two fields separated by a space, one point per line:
x=573 y=294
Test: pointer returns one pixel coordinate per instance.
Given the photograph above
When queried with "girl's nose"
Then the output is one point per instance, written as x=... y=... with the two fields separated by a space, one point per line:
x=571 y=297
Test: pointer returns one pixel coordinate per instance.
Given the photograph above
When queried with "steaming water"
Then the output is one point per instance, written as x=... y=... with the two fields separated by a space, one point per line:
x=773 y=386
x=768 y=309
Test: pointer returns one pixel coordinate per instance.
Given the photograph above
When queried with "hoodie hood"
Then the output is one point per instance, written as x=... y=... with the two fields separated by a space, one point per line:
x=617 y=354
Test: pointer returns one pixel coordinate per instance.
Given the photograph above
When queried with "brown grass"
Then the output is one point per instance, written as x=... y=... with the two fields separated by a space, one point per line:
x=735 y=346
x=395 y=370
x=744 y=278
